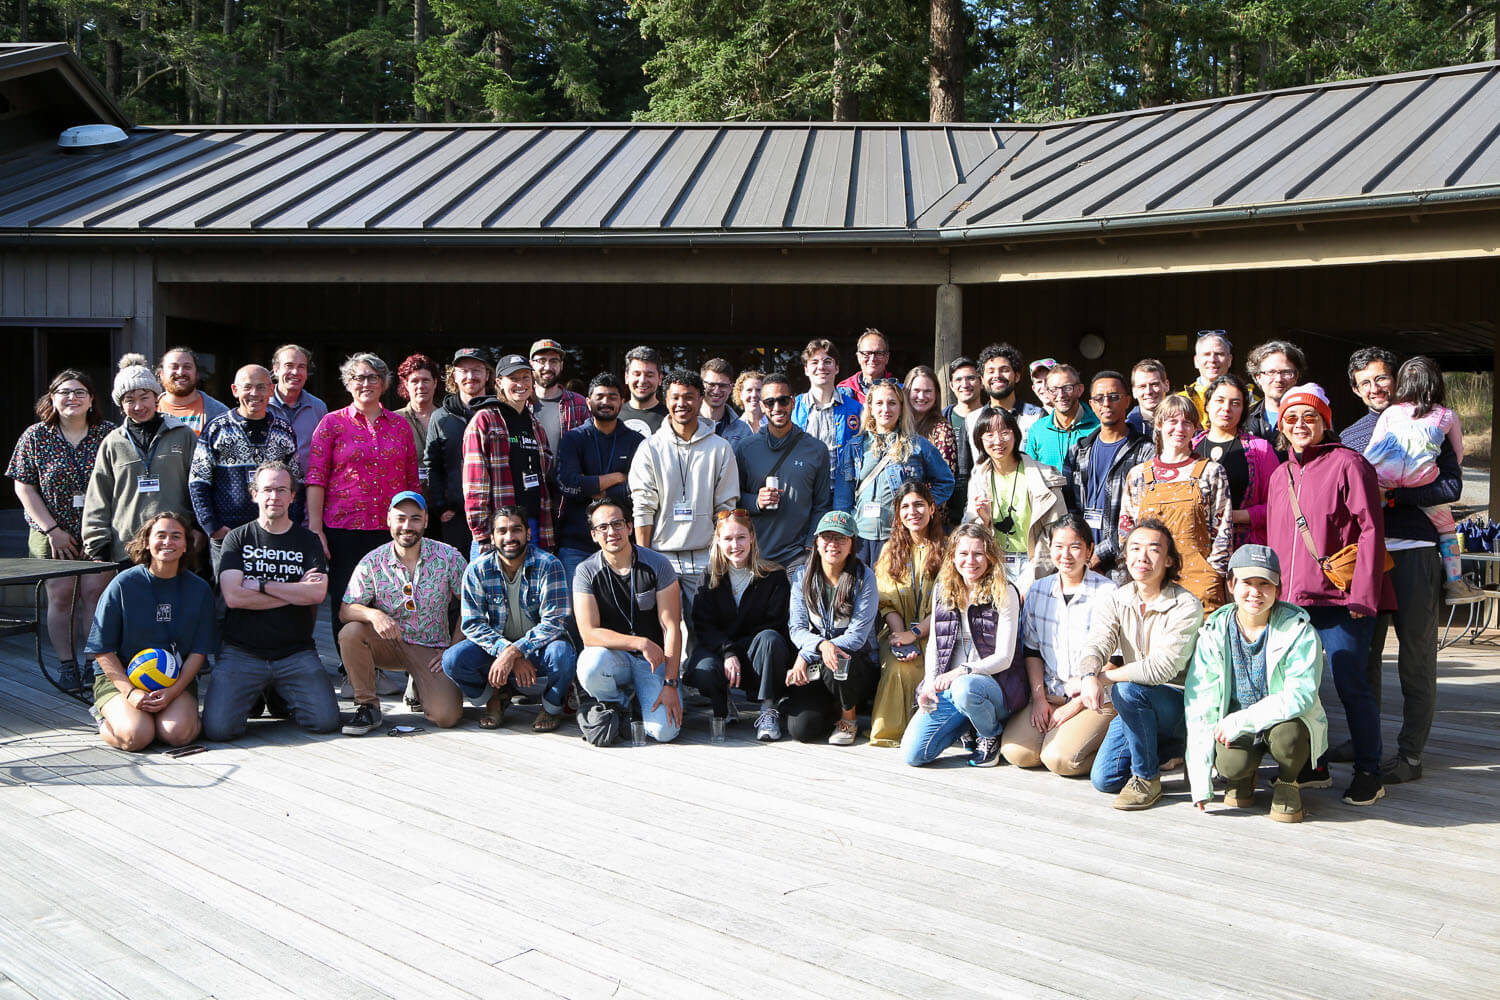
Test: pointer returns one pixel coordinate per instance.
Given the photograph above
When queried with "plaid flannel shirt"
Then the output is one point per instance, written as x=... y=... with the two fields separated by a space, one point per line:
x=544 y=594
x=1057 y=629
x=1075 y=470
x=488 y=484
x=572 y=408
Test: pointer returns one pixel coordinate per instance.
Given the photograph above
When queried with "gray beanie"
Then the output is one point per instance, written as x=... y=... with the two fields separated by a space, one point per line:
x=135 y=373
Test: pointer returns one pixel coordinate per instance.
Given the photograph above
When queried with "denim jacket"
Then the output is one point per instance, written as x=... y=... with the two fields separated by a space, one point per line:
x=874 y=504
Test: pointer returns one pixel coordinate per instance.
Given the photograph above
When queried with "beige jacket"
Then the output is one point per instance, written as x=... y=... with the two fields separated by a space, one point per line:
x=1044 y=484
x=1157 y=642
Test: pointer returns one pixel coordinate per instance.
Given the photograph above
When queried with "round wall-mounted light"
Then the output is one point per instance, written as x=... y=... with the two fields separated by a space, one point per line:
x=1091 y=346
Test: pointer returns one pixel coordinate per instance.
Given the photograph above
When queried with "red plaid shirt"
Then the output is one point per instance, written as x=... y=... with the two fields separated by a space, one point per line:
x=574 y=410
x=488 y=485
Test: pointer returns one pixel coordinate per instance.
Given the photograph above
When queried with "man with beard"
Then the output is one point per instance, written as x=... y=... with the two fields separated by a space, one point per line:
x=558 y=410
x=1000 y=367
x=783 y=516
x=1070 y=421
x=290 y=366
x=142 y=467
x=178 y=372
x=1096 y=467
x=645 y=411
x=468 y=383
x=515 y=614
x=507 y=460
x=593 y=461
x=396 y=614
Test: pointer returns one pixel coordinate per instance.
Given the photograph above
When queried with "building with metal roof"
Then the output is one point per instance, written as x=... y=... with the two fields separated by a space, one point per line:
x=1338 y=215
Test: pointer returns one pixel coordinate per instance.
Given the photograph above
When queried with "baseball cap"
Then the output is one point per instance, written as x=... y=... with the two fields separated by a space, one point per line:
x=839 y=521
x=1047 y=363
x=510 y=364
x=1251 y=562
x=544 y=345
x=470 y=354
x=406 y=495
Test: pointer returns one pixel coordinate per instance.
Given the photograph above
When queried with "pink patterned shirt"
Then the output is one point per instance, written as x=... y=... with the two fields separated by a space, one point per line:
x=361 y=466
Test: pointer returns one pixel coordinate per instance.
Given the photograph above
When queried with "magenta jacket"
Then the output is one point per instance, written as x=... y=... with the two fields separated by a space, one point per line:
x=1262 y=461
x=1342 y=503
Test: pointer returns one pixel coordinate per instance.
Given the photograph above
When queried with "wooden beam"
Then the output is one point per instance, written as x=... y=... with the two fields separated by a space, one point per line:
x=947 y=331
x=1441 y=237
x=622 y=265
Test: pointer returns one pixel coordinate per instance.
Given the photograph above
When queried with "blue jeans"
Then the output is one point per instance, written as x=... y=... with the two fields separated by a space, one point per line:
x=612 y=674
x=1346 y=647
x=973 y=698
x=1148 y=718
x=240 y=677
x=468 y=665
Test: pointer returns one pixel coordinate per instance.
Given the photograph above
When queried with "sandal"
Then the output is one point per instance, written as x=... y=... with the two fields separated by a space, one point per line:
x=494 y=712
x=546 y=722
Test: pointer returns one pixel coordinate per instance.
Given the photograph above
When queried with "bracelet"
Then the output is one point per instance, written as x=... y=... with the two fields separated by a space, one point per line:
x=50 y=530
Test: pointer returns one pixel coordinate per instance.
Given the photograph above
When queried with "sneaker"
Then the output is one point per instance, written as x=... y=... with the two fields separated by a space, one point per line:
x=768 y=725
x=1461 y=591
x=1365 y=790
x=69 y=678
x=1286 y=802
x=1343 y=753
x=1240 y=794
x=986 y=751
x=366 y=718
x=1398 y=771
x=1139 y=793
x=844 y=733
x=412 y=699
x=1314 y=777
x=546 y=722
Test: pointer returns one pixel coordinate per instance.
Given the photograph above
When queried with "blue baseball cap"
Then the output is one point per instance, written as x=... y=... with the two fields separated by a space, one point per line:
x=411 y=495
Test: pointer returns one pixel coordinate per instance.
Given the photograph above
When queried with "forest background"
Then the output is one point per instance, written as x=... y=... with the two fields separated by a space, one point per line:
x=321 y=61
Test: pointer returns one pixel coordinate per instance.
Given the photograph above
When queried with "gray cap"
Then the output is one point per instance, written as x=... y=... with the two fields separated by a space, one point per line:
x=135 y=373
x=1255 y=561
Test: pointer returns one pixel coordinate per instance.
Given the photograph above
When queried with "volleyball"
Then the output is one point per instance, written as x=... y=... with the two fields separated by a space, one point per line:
x=154 y=669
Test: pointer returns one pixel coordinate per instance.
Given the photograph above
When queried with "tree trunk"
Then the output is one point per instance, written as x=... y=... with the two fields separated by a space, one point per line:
x=23 y=14
x=221 y=106
x=112 y=67
x=845 y=101
x=418 y=36
x=1237 y=67
x=195 y=106
x=945 y=67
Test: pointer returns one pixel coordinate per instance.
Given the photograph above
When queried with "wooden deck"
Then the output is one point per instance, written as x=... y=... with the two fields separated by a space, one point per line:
x=509 y=864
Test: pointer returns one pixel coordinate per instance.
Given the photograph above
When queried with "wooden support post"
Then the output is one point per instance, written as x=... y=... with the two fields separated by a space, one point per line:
x=948 y=330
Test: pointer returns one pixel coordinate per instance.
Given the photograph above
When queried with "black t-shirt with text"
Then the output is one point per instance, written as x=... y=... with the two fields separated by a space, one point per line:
x=272 y=633
x=525 y=460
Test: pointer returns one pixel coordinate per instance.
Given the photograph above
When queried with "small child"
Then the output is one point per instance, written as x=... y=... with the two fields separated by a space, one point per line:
x=1404 y=450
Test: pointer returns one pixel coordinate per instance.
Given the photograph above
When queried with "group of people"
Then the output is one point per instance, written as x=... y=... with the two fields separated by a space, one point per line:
x=1113 y=580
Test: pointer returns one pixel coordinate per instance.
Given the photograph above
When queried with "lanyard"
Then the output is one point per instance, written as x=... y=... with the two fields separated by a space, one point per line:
x=916 y=579
x=146 y=457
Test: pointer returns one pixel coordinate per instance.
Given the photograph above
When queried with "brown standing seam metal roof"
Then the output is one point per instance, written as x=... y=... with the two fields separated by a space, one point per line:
x=1390 y=144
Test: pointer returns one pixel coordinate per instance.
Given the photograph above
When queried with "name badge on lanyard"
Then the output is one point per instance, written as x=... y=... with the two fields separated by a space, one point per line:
x=1094 y=517
x=78 y=501
x=682 y=512
x=871 y=511
x=531 y=480
x=148 y=485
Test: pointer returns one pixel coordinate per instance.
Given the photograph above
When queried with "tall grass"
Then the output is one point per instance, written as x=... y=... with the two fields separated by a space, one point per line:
x=1471 y=396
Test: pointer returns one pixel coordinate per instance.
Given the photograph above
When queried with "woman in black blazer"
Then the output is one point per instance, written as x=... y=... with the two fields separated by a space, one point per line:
x=740 y=625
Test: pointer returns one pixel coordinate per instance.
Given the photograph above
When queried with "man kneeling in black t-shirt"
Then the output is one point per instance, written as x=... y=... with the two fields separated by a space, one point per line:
x=273 y=577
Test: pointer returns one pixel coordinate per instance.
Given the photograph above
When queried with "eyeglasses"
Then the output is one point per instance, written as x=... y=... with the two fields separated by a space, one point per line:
x=605 y=527
x=726 y=386
x=70 y=393
x=1311 y=420
x=1107 y=397
x=1280 y=374
x=1067 y=390
x=737 y=512
x=410 y=603
x=824 y=362
x=868 y=355
x=370 y=379
x=893 y=382
x=775 y=401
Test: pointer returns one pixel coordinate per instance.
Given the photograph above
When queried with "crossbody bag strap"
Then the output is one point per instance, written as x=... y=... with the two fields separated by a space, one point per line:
x=1302 y=528
x=786 y=451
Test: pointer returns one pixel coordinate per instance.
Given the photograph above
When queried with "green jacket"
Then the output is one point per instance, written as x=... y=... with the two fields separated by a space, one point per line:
x=1294 y=662
x=114 y=508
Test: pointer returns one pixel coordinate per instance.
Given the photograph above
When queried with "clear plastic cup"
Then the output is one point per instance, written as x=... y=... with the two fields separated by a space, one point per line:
x=716 y=730
x=637 y=734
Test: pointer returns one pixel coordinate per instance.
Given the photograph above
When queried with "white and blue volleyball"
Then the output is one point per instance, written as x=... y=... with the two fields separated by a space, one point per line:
x=154 y=669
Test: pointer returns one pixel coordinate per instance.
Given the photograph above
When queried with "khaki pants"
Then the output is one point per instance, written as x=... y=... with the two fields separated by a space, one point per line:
x=1067 y=749
x=362 y=651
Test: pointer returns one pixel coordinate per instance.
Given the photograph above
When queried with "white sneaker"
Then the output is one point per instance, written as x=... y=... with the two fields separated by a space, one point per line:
x=844 y=733
x=768 y=725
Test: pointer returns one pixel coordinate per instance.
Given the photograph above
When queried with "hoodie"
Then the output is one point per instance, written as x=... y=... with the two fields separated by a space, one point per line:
x=677 y=486
x=443 y=457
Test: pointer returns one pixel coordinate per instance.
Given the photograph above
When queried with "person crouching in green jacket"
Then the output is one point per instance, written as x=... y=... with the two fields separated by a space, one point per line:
x=1252 y=687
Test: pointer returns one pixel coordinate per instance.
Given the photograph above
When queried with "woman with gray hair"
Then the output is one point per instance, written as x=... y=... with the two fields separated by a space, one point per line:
x=362 y=455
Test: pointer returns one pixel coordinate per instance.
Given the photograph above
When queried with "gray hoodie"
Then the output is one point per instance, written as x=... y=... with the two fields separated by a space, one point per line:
x=676 y=486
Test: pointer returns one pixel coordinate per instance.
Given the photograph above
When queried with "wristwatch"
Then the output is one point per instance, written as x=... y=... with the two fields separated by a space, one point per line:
x=916 y=629
x=670 y=682
x=968 y=669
